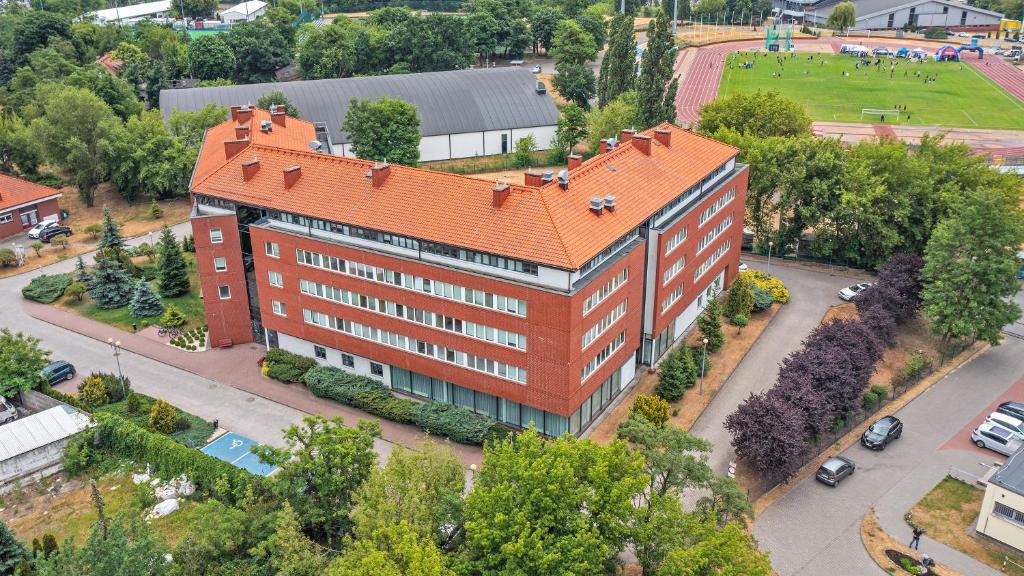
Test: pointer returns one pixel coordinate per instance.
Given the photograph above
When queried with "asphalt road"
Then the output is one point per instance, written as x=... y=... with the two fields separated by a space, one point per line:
x=251 y=416
x=815 y=529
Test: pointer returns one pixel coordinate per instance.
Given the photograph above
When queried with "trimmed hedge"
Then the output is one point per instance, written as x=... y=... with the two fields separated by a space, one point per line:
x=287 y=366
x=123 y=438
x=457 y=424
x=47 y=288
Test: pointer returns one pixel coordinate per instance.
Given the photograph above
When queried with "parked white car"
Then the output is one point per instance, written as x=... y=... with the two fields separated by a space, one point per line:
x=8 y=413
x=996 y=438
x=1015 y=425
x=36 y=230
x=850 y=292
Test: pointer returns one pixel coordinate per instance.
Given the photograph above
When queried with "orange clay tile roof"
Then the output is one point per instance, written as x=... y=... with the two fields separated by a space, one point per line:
x=545 y=224
x=15 y=192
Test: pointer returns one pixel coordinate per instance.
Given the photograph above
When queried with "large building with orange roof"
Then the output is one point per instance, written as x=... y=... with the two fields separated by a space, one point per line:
x=528 y=303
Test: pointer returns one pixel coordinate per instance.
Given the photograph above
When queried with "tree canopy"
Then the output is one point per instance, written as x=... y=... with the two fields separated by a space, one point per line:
x=384 y=129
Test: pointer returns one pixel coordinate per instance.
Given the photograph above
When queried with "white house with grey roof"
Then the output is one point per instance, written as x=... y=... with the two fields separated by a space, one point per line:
x=463 y=113
x=892 y=14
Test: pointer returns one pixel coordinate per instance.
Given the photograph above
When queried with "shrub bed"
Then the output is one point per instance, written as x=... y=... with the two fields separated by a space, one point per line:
x=47 y=288
x=769 y=284
x=457 y=424
x=287 y=366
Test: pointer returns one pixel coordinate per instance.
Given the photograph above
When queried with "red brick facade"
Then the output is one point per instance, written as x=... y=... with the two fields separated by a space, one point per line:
x=228 y=318
x=15 y=225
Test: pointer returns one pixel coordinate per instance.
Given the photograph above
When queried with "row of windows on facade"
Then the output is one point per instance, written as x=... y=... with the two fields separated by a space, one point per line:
x=605 y=290
x=603 y=324
x=714 y=233
x=690 y=192
x=438 y=248
x=413 y=314
x=508 y=411
x=347 y=360
x=602 y=356
x=676 y=239
x=409 y=281
x=409 y=344
x=712 y=259
x=677 y=293
x=609 y=251
x=722 y=201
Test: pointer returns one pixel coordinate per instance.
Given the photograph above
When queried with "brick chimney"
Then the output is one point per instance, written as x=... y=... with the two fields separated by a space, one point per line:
x=664 y=136
x=233 y=147
x=604 y=147
x=277 y=116
x=241 y=132
x=626 y=135
x=379 y=173
x=291 y=175
x=642 y=143
x=234 y=113
x=533 y=179
x=244 y=115
x=250 y=168
x=501 y=192
x=574 y=161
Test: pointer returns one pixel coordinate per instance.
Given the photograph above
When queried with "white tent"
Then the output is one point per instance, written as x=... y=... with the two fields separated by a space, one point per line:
x=245 y=11
x=133 y=12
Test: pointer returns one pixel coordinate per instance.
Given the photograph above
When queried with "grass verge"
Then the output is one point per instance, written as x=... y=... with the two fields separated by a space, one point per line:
x=195 y=435
x=876 y=541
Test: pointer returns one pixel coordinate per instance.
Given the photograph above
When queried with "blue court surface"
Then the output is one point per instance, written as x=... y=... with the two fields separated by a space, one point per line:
x=235 y=449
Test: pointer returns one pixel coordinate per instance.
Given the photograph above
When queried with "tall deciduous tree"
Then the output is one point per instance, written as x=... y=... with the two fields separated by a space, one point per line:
x=173 y=272
x=655 y=93
x=897 y=289
x=210 y=58
x=572 y=128
x=575 y=83
x=277 y=98
x=145 y=303
x=21 y=359
x=322 y=464
x=970 y=265
x=757 y=114
x=145 y=160
x=72 y=124
x=843 y=16
x=292 y=553
x=384 y=129
x=125 y=545
x=718 y=551
x=618 y=68
x=550 y=507
x=572 y=44
x=543 y=24
x=259 y=50
x=393 y=549
x=117 y=93
x=769 y=433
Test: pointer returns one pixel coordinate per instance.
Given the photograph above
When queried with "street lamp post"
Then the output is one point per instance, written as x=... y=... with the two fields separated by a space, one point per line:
x=770 y=244
x=703 y=363
x=116 y=347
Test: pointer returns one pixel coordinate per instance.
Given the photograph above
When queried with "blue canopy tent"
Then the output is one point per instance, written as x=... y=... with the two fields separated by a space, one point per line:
x=947 y=54
x=903 y=53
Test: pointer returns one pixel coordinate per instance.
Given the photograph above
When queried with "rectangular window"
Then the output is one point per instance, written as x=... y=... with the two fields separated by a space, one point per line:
x=278 y=308
x=272 y=249
x=712 y=259
x=714 y=233
x=348 y=361
x=220 y=263
x=717 y=206
x=276 y=279
x=224 y=291
x=672 y=298
x=376 y=369
x=604 y=291
x=675 y=240
x=602 y=356
x=216 y=237
x=5 y=218
x=320 y=352
x=1008 y=513
x=604 y=323
x=674 y=269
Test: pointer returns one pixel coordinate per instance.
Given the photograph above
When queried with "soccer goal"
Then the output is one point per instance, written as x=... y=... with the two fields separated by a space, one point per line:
x=879 y=112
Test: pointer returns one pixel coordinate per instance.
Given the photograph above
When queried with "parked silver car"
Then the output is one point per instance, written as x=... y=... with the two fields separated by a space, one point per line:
x=996 y=438
x=850 y=292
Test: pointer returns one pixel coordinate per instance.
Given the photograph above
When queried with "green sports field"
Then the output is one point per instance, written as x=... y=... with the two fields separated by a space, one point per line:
x=960 y=96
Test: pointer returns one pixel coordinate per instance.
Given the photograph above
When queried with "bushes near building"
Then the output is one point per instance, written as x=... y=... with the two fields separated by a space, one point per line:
x=653 y=408
x=763 y=299
x=740 y=301
x=287 y=366
x=676 y=374
x=93 y=392
x=47 y=288
x=163 y=417
x=769 y=284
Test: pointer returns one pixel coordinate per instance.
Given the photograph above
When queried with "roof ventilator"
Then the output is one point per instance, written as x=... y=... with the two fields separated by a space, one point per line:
x=609 y=202
x=266 y=125
x=596 y=204
x=316 y=146
x=541 y=88
x=547 y=176
x=563 y=179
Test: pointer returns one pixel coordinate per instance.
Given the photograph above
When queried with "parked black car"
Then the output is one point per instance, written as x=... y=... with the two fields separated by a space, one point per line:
x=1011 y=408
x=56 y=371
x=878 y=436
x=834 y=470
x=52 y=231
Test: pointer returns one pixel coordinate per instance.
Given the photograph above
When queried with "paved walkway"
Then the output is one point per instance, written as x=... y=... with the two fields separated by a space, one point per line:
x=217 y=384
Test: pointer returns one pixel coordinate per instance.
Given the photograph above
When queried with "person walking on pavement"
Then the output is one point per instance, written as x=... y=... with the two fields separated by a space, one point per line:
x=916 y=540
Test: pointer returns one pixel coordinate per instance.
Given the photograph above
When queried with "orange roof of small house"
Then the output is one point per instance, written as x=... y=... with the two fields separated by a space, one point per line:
x=544 y=224
x=17 y=192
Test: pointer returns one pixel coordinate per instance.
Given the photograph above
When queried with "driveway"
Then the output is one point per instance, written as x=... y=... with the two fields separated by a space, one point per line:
x=815 y=529
x=812 y=293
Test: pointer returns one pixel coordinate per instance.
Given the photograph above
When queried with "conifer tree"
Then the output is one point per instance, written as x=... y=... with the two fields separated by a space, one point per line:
x=173 y=272
x=12 y=551
x=671 y=386
x=618 y=68
x=81 y=273
x=710 y=325
x=740 y=301
x=145 y=303
x=111 y=241
x=109 y=285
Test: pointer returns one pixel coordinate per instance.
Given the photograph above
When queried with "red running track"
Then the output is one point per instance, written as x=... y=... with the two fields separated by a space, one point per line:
x=701 y=83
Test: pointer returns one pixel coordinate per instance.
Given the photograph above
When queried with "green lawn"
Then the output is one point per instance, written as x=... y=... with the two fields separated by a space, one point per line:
x=961 y=96
x=196 y=435
x=191 y=305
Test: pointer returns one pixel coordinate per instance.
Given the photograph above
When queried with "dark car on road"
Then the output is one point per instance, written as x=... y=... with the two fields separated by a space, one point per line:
x=878 y=436
x=56 y=371
x=834 y=470
x=1011 y=408
x=48 y=233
